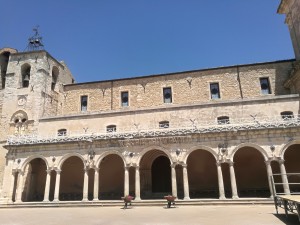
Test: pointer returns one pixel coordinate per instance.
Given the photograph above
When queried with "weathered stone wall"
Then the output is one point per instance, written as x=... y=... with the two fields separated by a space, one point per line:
x=187 y=88
x=177 y=116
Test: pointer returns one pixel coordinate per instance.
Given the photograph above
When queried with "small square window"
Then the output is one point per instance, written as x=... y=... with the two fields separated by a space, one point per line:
x=167 y=95
x=124 y=99
x=84 y=102
x=265 y=86
x=111 y=129
x=164 y=124
x=223 y=120
x=214 y=91
x=287 y=115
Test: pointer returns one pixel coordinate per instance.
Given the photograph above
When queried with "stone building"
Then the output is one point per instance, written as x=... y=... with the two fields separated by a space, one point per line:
x=215 y=133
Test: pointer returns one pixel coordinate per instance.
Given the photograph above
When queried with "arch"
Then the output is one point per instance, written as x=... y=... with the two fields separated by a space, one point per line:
x=65 y=157
x=35 y=173
x=252 y=145
x=251 y=173
x=55 y=74
x=286 y=146
x=72 y=179
x=154 y=147
x=25 y=75
x=30 y=158
x=200 y=147
x=111 y=177
x=103 y=155
x=20 y=114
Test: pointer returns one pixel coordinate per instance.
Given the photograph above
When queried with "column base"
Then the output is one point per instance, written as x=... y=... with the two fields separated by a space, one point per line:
x=222 y=198
x=235 y=197
x=85 y=200
x=186 y=198
x=137 y=199
x=56 y=200
x=46 y=200
x=95 y=199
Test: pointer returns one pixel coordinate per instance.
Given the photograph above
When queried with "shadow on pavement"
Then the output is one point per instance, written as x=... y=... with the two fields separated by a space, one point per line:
x=292 y=219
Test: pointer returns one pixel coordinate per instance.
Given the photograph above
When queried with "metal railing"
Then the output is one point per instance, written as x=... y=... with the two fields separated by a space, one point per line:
x=188 y=126
x=289 y=184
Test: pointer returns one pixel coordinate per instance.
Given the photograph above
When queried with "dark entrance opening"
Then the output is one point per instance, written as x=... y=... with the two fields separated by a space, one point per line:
x=161 y=175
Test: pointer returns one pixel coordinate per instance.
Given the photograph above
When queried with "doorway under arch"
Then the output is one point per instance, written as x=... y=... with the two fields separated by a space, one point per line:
x=251 y=173
x=155 y=173
x=111 y=178
x=292 y=165
x=71 y=179
x=35 y=181
x=202 y=175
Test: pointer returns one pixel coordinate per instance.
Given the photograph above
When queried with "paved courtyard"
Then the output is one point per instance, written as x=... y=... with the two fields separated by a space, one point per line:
x=208 y=215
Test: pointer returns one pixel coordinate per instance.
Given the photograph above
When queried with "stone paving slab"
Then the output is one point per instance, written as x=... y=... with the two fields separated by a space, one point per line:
x=155 y=215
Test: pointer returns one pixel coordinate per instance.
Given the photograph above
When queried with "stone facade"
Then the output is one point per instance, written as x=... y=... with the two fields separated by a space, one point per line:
x=211 y=133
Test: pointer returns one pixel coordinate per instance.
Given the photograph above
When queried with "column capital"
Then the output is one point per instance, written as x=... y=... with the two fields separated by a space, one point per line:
x=218 y=163
x=137 y=167
x=268 y=162
x=96 y=169
x=280 y=161
x=173 y=165
x=58 y=171
x=48 y=171
x=231 y=163
x=184 y=165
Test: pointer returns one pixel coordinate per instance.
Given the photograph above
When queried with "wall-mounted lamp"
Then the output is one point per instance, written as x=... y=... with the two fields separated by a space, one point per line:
x=223 y=147
x=272 y=147
x=91 y=154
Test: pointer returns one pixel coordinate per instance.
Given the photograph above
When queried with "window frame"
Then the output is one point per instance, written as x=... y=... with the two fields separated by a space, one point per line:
x=287 y=115
x=165 y=124
x=223 y=120
x=81 y=103
x=62 y=132
x=123 y=103
x=112 y=127
x=218 y=89
x=165 y=91
x=261 y=79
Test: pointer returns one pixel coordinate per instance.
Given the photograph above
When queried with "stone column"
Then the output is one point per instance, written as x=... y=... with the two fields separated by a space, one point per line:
x=270 y=174
x=20 y=187
x=174 y=182
x=233 y=181
x=220 y=181
x=96 y=184
x=185 y=183
x=284 y=178
x=57 y=185
x=12 y=185
x=47 y=186
x=126 y=181
x=85 y=184
x=137 y=184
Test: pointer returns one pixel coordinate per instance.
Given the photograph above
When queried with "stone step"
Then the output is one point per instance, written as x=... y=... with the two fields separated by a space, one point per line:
x=204 y=202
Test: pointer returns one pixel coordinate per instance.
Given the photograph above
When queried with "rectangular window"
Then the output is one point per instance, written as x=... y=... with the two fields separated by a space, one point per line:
x=167 y=95
x=214 y=91
x=84 y=102
x=265 y=86
x=124 y=99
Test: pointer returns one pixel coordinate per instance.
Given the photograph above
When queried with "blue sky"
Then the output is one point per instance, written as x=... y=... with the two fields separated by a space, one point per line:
x=108 y=39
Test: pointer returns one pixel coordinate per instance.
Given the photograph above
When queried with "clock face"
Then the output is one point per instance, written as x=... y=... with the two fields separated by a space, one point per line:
x=21 y=100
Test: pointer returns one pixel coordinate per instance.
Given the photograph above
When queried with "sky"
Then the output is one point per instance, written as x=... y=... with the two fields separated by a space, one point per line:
x=111 y=39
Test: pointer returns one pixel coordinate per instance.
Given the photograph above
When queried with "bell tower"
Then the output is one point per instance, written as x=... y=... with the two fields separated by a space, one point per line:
x=291 y=8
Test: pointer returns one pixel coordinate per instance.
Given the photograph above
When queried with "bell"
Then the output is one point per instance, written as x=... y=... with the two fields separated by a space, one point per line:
x=26 y=78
